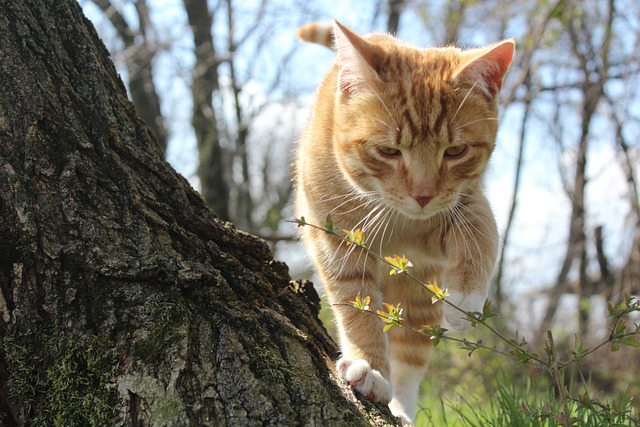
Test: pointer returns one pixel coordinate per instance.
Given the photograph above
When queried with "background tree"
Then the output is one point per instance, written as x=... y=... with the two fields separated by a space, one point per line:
x=205 y=85
x=228 y=54
x=395 y=8
x=124 y=300
x=139 y=50
x=108 y=259
x=594 y=61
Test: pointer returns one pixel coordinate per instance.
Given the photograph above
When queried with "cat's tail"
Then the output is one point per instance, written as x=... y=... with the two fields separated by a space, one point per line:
x=317 y=32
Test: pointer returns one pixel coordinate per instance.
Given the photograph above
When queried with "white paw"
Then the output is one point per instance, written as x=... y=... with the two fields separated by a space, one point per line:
x=366 y=380
x=453 y=319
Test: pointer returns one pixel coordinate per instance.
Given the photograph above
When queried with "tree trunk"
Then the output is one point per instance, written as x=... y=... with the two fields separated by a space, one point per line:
x=576 y=241
x=244 y=203
x=499 y=291
x=124 y=301
x=395 y=11
x=204 y=82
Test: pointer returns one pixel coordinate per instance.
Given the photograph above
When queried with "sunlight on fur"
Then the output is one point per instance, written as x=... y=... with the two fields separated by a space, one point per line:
x=396 y=146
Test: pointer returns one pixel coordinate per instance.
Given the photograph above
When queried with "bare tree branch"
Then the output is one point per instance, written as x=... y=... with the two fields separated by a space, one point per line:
x=514 y=197
x=592 y=92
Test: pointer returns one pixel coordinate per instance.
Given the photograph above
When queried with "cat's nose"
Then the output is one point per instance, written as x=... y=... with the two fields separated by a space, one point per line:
x=422 y=200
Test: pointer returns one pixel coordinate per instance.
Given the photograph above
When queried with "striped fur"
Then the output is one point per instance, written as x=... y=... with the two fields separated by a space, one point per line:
x=396 y=146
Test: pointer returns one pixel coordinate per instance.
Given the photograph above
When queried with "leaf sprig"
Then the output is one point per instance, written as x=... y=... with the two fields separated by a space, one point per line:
x=399 y=264
x=355 y=237
x=362 y=304
x=391 y=317
x=438 y=293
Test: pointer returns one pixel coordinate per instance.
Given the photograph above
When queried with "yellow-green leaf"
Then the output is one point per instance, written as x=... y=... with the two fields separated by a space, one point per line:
x=399 y=264
x=439 y=294
x=355 y=237
x=361 y=304
x=392 y=317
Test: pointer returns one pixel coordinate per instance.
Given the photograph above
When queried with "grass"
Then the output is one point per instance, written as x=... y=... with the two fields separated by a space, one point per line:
x=488 y=390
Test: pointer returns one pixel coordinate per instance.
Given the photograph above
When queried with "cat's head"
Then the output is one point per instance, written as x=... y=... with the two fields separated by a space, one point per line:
x=415 y=127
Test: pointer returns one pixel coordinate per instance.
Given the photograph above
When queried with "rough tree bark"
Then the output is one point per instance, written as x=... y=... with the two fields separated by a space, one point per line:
x=124 y=301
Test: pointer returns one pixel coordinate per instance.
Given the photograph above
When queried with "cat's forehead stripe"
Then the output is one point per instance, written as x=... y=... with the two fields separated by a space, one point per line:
x=410 y=124
x=423 y=101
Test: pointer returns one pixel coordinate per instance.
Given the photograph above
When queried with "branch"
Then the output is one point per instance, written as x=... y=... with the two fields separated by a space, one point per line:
x=117 y=20
x=530 y=44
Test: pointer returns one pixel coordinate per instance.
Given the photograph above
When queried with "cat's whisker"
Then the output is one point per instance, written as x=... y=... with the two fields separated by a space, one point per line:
x=355 y=208
x=475 y=121
x=467 y=227
x=385 y=106
x=394 y=216
x=345 y=258
x=383 y=122
x=476 y=229
x=377 y=222
x=363 y=223
x=458 y=224
x=374 y=233
x=450 y=218
x=354 y=193
x=463 y=101
x=471 y=212
x=354 y=198
x=387 y=220
x=474 y=197
x=334 y=197
x=452 y=215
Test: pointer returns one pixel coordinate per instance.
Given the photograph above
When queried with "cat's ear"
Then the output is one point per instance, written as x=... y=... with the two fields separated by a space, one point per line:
x=488 y=67
x=357 y=58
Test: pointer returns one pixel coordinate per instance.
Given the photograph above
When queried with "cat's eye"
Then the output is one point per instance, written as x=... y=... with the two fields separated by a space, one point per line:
x=389 y=151
x=455 y=151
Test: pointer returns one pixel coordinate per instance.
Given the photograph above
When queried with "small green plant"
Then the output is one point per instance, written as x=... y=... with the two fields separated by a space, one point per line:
x=570 y=408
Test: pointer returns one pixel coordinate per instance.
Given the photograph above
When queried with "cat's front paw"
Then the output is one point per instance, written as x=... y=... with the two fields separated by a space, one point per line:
x=453 y=319
x=366 y=380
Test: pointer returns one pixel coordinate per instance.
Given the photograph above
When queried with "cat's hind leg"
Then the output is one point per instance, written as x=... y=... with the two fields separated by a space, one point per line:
x=408 y=354
x=405 y=380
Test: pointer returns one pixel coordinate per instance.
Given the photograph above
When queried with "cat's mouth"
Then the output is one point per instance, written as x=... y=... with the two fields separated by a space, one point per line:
x=412 y=209
x=422 y=214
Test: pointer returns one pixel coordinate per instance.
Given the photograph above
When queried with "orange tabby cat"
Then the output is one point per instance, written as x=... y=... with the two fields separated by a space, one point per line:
x=396 y=146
